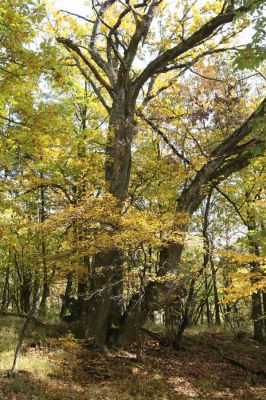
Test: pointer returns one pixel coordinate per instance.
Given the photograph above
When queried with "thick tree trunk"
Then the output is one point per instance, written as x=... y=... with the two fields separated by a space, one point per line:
x=104 y=308
x=118 y=160
x=169 y=262
x=157 y=296
x=170 y=293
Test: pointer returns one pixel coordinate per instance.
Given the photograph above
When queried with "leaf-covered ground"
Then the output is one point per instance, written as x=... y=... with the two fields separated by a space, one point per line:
x=64 y=369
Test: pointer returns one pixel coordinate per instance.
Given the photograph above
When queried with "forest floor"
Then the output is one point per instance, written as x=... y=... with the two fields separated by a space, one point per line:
x=209 y=366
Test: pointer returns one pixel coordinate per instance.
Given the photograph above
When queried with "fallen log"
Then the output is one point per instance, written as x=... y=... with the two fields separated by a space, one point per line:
x=35 y=320
x=228 y=358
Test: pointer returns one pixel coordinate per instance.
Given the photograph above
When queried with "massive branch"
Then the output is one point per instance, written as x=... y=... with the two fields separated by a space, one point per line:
x=217 y=169
x=194 y=40
x=141 y=31
x=71 y=46
x=227 y=158
x=106 y=67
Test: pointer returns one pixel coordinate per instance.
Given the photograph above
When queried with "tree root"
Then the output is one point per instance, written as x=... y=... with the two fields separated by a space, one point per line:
x=155 y=335
x=162 y=340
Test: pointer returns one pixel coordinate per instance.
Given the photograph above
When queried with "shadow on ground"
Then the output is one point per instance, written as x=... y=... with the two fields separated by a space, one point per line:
x=196 y=372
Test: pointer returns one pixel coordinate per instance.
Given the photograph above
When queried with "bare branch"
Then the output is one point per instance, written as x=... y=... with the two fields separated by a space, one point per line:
x=228 y=146
x=232 y=203
x=226 y=159
x=113 y=32
x=12 y=121
x=107 y=68
x=194 y=40
x=204 y=76
x=70 y=45
x=142 y=28
x=78 y=16
x=186 y=66
x=164 y=137
x=93 y=85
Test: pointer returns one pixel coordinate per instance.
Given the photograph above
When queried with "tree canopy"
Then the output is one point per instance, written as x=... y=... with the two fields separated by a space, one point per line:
x=132 y=164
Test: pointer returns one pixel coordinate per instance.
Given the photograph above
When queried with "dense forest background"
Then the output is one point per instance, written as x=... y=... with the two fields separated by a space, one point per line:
x=132 y=185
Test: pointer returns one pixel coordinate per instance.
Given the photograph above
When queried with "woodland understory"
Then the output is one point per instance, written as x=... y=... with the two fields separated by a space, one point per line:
x=132 y=200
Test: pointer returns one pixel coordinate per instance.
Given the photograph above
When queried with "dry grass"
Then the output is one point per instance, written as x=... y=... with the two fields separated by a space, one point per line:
x=61 y=369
